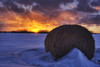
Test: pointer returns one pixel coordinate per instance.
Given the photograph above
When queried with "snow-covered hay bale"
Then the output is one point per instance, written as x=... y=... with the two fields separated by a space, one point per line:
x=62 y=39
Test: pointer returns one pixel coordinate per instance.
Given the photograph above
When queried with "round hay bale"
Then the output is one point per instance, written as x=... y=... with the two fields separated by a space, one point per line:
x=64 y=38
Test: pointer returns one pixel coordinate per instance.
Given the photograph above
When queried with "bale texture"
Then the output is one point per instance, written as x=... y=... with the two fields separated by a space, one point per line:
x=64 y=38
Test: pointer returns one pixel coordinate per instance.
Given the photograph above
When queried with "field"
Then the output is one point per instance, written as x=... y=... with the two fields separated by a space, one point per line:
x=27 y=49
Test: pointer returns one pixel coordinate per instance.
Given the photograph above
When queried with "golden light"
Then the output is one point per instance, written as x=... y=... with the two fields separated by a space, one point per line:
x=35 y=21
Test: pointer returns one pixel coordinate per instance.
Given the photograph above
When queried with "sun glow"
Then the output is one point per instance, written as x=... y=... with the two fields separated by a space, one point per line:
x=35 y=22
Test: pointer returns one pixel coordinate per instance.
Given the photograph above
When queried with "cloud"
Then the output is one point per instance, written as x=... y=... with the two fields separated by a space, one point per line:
x=40 y=14
x=69 y=6
x=20 y=5
x=1 y=5
x=84 y=6
x=46 y=6
x=92 y=19
x=95 y=3
x=25 y=7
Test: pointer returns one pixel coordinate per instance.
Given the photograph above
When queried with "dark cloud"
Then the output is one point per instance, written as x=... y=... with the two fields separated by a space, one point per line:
x=43 y=4
x=95 y=3
x=22 y=6
x=46 y=5
x=96 y=19
x=84 y=6
x=49 y=4
x=25 y=2
x=91 y=19
x=12 y=7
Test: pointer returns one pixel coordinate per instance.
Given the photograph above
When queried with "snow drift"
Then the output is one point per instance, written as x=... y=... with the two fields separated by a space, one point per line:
x=75 y=58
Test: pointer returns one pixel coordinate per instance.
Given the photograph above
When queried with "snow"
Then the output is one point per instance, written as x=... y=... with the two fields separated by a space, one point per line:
x=97 y=40
x=27 y=50
x=74 y=58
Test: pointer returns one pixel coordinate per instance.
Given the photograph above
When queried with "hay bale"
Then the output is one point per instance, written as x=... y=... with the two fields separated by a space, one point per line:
x=64 y=38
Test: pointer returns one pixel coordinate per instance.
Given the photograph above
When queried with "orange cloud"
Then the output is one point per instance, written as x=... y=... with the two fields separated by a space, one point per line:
x=36 y=21
x=97 y=7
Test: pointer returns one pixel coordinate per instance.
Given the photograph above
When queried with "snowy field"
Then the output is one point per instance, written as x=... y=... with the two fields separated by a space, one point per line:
x=27 y=50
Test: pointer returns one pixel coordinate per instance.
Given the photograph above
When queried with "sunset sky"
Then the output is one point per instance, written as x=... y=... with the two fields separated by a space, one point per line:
x=37 y=15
